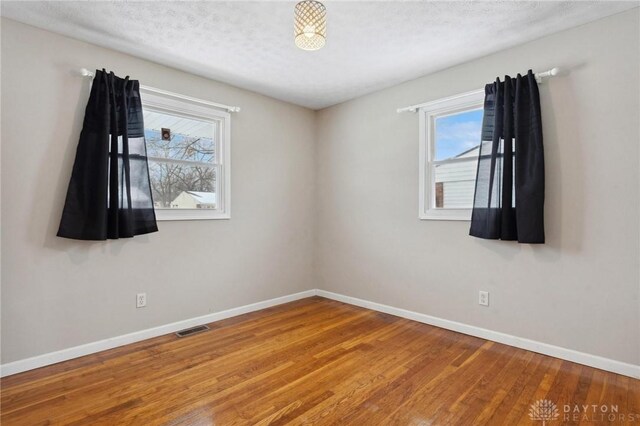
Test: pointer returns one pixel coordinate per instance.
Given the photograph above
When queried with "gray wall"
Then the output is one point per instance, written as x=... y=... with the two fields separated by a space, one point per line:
x=59 y=293
x=580 y=290
x=330 y=200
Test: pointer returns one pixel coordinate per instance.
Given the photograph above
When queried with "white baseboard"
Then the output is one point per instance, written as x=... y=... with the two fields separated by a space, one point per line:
x=596 y=361
x=607 y=364
x=101 y=345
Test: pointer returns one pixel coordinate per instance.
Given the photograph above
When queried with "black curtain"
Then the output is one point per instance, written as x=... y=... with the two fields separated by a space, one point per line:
x=109 y=193
x=509 y=195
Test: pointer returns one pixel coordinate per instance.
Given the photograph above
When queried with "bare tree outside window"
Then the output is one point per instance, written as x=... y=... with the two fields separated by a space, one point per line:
x=182 y=160
x=184 y=169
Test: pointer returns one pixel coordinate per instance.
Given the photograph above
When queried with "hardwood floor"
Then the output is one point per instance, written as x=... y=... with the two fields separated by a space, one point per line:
x=315 y=361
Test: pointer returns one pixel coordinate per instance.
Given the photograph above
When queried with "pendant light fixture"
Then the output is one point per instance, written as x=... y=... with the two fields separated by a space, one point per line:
x=310 y=27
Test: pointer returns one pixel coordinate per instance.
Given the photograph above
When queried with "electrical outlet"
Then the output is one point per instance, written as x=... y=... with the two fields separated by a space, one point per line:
x=141 y=300
x=484 y=298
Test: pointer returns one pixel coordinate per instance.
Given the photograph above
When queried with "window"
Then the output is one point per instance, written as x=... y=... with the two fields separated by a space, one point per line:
x=450 y=131
x=188 y=152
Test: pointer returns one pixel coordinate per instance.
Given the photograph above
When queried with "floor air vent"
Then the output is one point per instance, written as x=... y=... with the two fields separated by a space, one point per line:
x=192 y=330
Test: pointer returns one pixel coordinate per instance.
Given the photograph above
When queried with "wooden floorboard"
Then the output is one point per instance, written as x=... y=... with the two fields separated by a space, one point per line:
x=315 y=361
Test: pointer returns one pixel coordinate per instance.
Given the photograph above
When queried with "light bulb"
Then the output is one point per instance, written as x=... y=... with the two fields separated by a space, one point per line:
x=309 y=30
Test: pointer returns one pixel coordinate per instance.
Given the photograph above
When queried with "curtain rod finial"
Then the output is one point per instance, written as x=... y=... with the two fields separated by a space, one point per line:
x=407 y=109
x=85 y=72
x=549 y=73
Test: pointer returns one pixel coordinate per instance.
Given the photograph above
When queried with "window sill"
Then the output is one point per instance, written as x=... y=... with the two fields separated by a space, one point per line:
x=173 y=215
x=451 y=214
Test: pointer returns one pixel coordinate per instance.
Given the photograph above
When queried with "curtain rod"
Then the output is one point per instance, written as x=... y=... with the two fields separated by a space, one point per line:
x=86 y=73
x=539 y=76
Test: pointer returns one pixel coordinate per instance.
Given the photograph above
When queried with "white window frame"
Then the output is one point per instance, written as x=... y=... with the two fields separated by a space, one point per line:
x=175 y=104
x=428 y=113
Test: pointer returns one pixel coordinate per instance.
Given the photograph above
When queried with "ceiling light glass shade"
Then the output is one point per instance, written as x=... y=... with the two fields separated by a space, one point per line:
x=310 y=27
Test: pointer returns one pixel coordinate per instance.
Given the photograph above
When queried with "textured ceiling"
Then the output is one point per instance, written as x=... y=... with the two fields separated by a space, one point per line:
x=370 y=44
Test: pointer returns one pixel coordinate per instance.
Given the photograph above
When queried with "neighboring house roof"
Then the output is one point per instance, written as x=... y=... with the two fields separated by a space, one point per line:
x=203 y=197
x=468 y=152
x=194 y=199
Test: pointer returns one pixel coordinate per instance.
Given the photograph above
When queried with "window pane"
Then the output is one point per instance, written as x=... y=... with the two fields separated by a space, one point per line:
x=458 y=135
x=180 y=138
x=139 y=189
x=455 y=184
x=183 y=186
